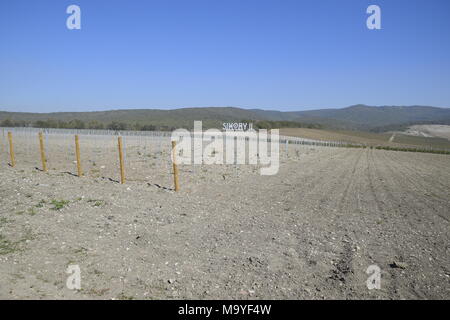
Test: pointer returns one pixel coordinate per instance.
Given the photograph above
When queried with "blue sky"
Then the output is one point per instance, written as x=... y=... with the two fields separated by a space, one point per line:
x=280 y=54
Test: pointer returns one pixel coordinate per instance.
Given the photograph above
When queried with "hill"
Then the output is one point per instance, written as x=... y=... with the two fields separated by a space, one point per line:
x=380 y=118
x=358 y=117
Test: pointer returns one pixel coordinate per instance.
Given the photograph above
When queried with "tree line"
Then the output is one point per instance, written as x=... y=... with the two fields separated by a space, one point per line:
x=118 y=125
x=79 y=124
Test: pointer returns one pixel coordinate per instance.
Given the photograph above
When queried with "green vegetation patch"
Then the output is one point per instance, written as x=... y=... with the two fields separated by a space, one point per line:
x=59 y=204
x=7 y=246
x=96 y=202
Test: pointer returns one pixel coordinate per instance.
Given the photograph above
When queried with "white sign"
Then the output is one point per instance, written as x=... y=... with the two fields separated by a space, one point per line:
x=237 y=126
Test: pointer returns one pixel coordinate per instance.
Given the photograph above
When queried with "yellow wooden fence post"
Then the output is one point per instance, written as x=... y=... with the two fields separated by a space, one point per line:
x=43 y=159
x=175 y=168
x=77 y=151
x=122 y=169
x=11 y=150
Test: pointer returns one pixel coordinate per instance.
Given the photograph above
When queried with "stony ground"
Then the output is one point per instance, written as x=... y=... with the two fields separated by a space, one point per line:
x=309 y=232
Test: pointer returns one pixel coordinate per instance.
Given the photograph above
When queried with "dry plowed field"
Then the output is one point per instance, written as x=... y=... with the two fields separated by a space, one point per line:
x=309 y=232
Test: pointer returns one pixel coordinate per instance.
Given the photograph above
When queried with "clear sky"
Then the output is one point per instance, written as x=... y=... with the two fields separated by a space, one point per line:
x=278 y=54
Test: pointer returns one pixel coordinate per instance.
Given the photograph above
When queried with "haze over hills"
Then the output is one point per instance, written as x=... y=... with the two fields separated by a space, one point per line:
x=357 y=117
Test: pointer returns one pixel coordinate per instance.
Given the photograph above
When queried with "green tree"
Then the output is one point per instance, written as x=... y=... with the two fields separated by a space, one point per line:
x=7 y=123
x=115 y=125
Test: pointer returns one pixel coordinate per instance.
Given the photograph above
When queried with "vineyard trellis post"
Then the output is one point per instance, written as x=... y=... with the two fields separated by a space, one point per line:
x=77 y=151
x=43 y=158
x=122 y=169
x=11 y=149
x=175 y=168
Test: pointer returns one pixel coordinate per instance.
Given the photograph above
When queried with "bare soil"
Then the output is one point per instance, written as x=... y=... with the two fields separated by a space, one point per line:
x=309 y=232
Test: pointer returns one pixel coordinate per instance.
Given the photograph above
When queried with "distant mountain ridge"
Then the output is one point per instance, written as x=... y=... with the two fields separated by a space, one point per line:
x=358 y=117
x=382 y=116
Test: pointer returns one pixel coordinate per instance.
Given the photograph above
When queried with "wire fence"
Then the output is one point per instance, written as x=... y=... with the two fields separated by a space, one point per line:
x=98 y=151
x=147 y=154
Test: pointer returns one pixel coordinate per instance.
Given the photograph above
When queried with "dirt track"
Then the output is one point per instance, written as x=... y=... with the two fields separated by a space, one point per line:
x=310 y=231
